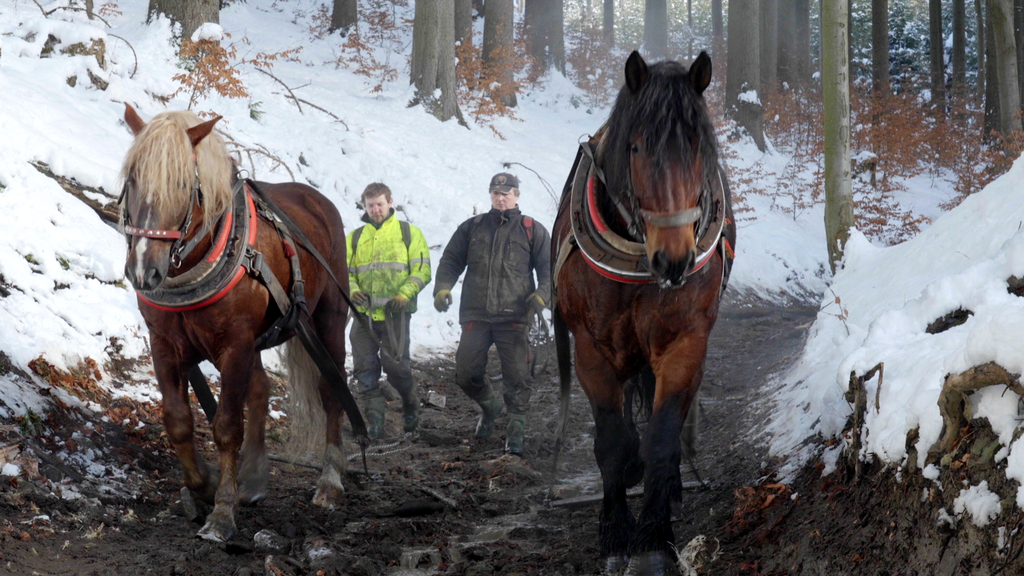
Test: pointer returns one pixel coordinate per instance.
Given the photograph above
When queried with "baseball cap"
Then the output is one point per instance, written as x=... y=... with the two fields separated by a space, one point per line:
x=504 y=183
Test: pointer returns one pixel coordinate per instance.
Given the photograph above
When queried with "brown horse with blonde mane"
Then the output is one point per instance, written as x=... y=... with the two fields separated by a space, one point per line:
x=643 y=246
x=198 y=245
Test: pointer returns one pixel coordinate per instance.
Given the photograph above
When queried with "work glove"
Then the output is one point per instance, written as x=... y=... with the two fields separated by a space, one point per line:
x=397 y=304
x=442 y=300
x=534 y=310
x=361 y=299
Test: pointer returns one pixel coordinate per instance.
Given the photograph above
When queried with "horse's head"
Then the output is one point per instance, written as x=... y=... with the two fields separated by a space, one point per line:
x=658 y=156
x=177 y=179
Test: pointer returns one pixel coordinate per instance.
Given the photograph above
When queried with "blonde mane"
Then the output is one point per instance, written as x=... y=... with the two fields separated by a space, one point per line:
x=160 y=162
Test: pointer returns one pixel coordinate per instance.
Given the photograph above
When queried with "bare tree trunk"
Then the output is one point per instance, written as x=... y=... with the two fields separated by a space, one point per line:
x=1018 y=35
x=991 y=75
x=689 y=26
x=191 y=14
x=743 y=74
x=433 y=58
x=786 y=58
x=545 y=33
x=464 y=21
x=979 y=14
x=839 y=215
x=717 y=33
x=344 y=15
x=959 y=48
x=608 y=20
x=89 y=9
x=936 y=54
x=656 y=29
x=1006 y=65
x=497 y=50
x=769 y=38
x=803 y=41
x=880 y=45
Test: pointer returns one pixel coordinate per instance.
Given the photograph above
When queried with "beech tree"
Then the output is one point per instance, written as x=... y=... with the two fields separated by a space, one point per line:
x=656 y=28
x=880 y=46
x=545 y=33
x=937 y=65
x=433 y=58
x=959 y=48
x=839 y=215
x=344 y=15
x=497 y=49
x=768 y=35
x=608 y=22
x=743 y=77
x=1006 y=65
x=190 y=14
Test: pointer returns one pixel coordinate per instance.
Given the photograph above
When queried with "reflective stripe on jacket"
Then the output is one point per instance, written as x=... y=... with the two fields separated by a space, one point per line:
x=383 y=267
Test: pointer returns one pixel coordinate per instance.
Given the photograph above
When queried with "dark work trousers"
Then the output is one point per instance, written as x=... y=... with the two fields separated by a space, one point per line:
x=513 y=344
x=368 y=358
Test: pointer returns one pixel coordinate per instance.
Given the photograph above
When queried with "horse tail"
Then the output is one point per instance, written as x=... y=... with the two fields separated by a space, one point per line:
x=305 y=408
x=563 y=348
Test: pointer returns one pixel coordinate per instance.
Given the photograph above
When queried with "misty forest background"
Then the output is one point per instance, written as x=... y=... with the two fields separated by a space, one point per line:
x=934 y=87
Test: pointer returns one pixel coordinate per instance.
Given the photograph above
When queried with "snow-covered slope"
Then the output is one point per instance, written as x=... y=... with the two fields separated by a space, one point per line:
x=61 y=291
x=878 y=309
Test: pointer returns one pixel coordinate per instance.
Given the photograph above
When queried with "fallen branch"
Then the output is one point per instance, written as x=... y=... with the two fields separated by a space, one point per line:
x=72 y=8
x=595 y=498
x=260 y=149
x=283 y=460
x=258 y=69
x=108 y=212
x=329 y=113
x=547 y=186
x=953 y=399
x=857 y=395
x=441 y=497
x=54 y=461
x=136 y=56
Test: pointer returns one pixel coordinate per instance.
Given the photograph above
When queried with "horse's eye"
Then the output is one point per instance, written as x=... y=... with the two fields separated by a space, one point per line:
x=634 y=149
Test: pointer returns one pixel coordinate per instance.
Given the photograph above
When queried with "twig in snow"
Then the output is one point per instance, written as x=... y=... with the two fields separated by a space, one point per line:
x=293 y=97
x=260 y=149
x=72 y=8
x=328 y=112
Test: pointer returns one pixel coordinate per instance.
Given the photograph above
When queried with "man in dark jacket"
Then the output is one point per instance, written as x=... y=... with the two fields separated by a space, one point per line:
x=500 y=251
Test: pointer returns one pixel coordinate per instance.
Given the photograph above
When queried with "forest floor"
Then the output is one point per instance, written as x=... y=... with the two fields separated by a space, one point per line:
x=439 y=502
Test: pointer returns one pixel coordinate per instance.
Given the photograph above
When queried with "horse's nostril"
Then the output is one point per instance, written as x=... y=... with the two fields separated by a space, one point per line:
x=660 y=261
x=153 y=278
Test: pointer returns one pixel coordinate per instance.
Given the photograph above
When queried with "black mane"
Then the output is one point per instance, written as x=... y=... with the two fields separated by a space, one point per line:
x=670 y=114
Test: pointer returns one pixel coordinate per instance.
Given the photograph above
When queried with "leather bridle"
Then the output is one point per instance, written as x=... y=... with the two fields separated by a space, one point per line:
x=627 y=205
x=182 y=246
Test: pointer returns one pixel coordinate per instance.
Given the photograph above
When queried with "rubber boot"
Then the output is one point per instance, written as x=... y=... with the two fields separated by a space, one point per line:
x=491 y=406
x=514 y=434
x=410 y=411
x=374 y=405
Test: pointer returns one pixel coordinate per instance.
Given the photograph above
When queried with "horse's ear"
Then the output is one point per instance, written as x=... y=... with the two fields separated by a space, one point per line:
x=636 y=72
x=200 y=131
x=700 y=72
x=132 y=119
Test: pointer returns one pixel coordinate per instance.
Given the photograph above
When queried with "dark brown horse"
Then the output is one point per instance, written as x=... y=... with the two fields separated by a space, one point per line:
x=181 y=207
x=654 y=193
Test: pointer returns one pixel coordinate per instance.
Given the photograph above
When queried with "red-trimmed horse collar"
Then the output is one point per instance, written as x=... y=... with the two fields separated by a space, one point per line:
x=221 y=269
x=622 y=259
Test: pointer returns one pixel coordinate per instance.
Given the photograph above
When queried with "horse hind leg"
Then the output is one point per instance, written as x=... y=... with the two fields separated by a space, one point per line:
x=254 y=469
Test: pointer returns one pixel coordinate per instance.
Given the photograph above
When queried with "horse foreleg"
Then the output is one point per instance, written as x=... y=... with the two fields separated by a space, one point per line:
x=236 y=367
x=678 y=374
x=615 y=448
x=254 y=470
x=172 y=377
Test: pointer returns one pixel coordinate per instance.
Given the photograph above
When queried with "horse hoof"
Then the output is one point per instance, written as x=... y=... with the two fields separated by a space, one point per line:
x=614 y=565
x=655 y=563
x=216 y=530
x=327 y=495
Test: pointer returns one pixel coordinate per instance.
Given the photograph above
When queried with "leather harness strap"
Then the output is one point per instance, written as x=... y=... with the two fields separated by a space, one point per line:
x=622 y=259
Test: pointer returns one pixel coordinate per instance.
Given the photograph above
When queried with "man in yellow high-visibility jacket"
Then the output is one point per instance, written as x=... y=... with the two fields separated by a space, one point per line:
x=388 y=265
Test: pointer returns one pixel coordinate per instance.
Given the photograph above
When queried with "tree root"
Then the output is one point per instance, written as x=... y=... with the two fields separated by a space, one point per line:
x=953 y=401
x=857 y=395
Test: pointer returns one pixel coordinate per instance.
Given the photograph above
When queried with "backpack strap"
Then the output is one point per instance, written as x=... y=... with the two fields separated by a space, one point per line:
x=406 y=233
x=528 y=224
x=355 y=238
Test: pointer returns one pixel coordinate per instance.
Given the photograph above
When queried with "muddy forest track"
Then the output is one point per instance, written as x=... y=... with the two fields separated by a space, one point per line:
x=437 y=503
